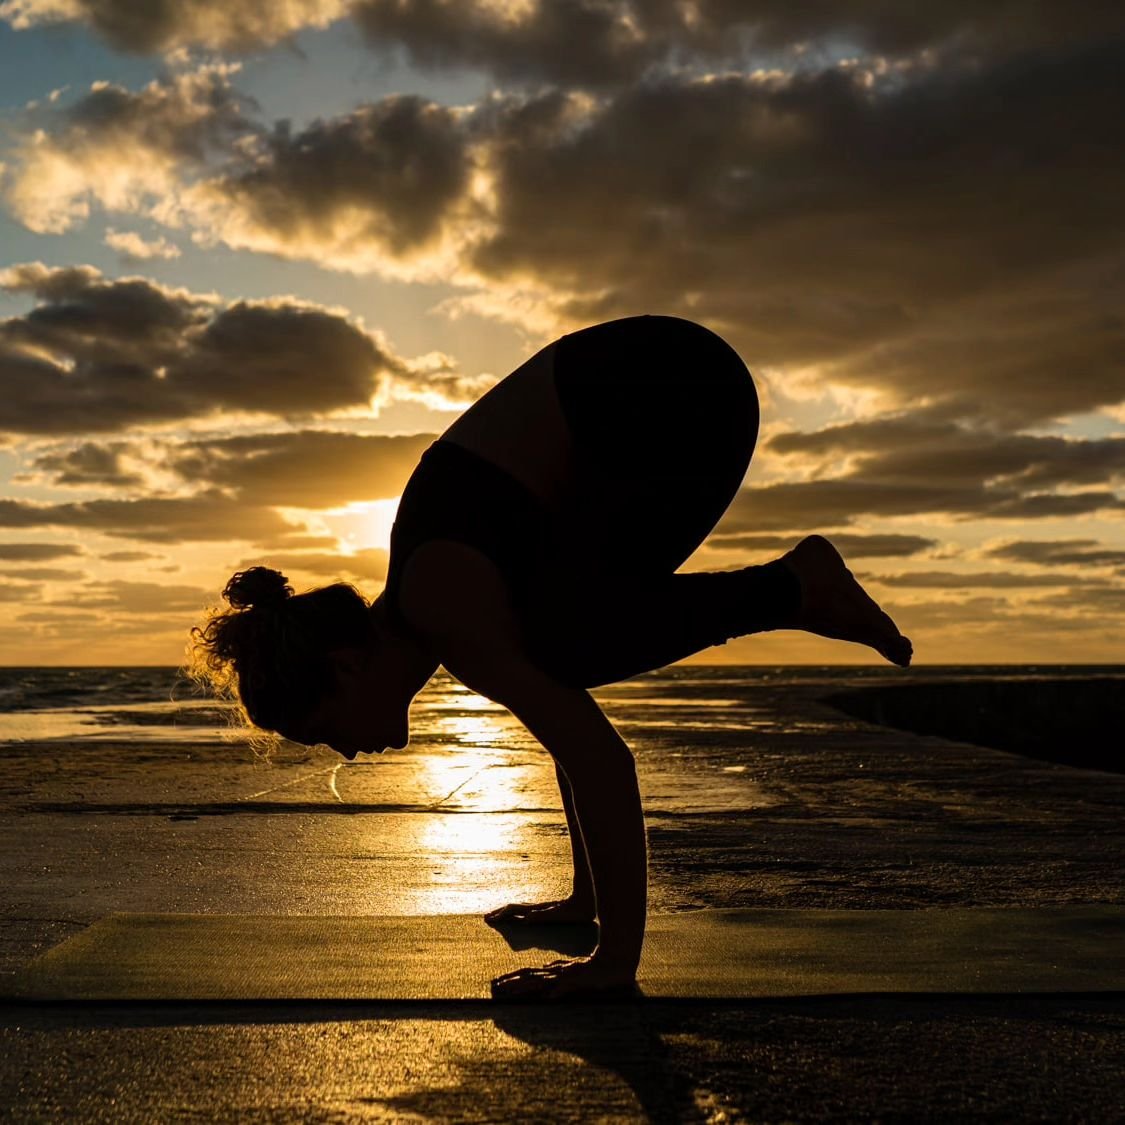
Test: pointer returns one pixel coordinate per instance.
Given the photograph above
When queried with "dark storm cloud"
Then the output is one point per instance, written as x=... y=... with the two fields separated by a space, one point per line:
x=97 y=355
x=385 y=174
x=156 y=519
x=949 y=236
x=148 y=27
x=88 y=464
x=1059 y=552
x=904 y=465
x=814 y=505
x=953 y=580
x=38 y=552
x=1043 y=505
x=600 y=43
x=848 y=543
x=306 y=469
x=908 y=448
x=582 y=41
x=184 y=114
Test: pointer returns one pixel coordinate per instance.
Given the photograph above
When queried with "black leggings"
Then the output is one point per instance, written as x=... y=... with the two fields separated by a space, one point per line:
x=664 y=417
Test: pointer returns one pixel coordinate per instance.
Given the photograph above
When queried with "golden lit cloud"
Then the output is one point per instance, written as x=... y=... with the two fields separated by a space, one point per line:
x=165 y=27
x=125 y=151
x=135 y=248
x=101 y=355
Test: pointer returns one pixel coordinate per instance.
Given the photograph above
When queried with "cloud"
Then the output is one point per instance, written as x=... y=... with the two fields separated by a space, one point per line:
x=124 y=150
x=614 y=42
x=1058 y=552
x=904 y=463
x=947 y=236
x=298 y=541
x=121 y=596
x=134 y=248
x=148 y=28
x=205 y=518
x=814 y=505
x=298 y=469
x=305 y=469
x=18 y=591
x=97 y=355
x=128 y=556
x=915 y=448
x=385 y=187
x=38 y=552
x=885 y=545
x=583 y=42
x=44 y=574
x=365 y=190
x=89 y=463
x=905 y=237
x=1094 y=602
x=363 y=565
x=985 y=578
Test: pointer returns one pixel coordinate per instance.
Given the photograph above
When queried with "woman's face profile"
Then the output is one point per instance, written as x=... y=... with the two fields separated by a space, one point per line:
x=360 y=714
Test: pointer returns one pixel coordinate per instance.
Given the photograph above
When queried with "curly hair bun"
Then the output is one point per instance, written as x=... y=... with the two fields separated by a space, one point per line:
x=258 y=586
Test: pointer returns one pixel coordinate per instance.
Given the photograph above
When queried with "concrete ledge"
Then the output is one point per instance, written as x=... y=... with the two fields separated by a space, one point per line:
x=707 y=954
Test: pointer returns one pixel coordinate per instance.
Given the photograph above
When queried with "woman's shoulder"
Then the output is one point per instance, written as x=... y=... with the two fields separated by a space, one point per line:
x=449 y=588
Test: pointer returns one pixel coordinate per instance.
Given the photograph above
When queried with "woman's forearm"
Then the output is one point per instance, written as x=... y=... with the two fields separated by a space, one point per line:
x=603 y=783
x=607 y=802
x=583 y=887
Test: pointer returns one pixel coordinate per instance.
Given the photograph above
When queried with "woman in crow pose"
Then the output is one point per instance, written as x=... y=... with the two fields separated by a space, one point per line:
x=534 y=556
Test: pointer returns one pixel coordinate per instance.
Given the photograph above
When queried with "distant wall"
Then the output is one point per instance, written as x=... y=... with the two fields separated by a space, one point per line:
x=1076 y=722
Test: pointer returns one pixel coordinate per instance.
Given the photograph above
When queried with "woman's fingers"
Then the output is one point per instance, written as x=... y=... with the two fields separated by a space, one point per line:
x=523 y=982
x=559 y=911
x=521 y=910
x=548 y=970
x=517 y=910
x=580 y=978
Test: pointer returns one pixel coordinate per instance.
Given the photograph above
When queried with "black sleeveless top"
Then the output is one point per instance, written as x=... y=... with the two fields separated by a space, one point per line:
x=455 y=494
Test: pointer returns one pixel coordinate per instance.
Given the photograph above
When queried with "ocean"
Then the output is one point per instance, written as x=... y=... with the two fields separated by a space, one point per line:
x=158 y=705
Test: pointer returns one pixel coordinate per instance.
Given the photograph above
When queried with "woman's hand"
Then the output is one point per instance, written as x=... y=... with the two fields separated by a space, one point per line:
x=577 y=978
x=543 y=913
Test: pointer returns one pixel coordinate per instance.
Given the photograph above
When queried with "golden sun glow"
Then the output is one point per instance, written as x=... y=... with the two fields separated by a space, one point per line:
x=362 y=526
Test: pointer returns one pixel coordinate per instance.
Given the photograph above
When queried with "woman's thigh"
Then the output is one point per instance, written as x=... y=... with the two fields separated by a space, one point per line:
x=664 y=417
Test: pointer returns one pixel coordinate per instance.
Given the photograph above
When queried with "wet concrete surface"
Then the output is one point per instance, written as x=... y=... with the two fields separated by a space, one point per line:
x=755 y=795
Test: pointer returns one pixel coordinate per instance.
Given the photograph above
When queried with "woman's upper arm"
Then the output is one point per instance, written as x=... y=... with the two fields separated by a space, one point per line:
x=459 y=599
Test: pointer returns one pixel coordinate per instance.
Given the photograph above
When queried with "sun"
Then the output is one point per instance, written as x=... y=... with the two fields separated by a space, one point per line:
x=363 y=525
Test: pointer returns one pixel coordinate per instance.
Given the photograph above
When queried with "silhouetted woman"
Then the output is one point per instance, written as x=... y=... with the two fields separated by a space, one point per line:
x=534 y=556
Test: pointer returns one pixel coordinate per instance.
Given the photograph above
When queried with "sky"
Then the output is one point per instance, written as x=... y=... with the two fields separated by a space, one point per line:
x=254 y=258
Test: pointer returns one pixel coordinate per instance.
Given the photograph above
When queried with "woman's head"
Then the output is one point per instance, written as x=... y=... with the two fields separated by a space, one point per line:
x=279 y=653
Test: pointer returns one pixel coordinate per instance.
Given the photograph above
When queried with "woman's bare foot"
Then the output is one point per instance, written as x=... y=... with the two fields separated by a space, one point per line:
x=834 y=604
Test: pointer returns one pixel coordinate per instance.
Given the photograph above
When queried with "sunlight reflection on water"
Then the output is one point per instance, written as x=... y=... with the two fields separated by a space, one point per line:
x=182 y=721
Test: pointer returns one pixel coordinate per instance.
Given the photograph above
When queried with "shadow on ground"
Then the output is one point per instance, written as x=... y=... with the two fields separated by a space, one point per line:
x=856 y=1057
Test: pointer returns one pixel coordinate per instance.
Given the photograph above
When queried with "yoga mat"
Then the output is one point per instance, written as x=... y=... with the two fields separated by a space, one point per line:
x=704 y=954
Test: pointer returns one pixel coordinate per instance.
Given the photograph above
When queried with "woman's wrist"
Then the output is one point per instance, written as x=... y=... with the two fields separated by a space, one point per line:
x=583 y=896
x=618 y=961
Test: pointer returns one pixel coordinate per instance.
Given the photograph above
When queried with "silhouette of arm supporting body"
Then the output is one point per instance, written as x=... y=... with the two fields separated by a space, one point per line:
x=582 y=892
x=470 y=623
x=602 y=776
